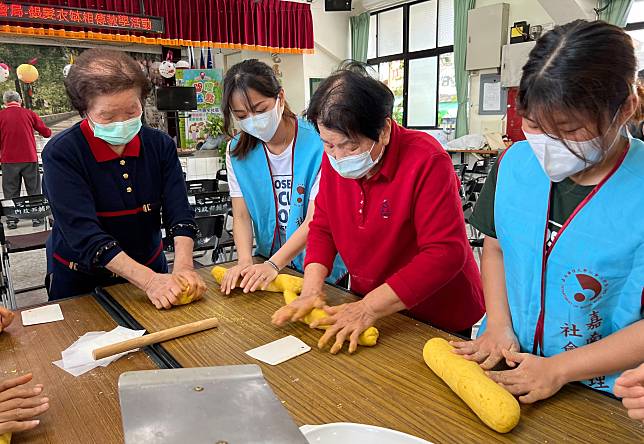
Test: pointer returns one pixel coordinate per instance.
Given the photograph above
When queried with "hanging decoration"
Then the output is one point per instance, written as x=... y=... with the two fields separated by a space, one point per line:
x=4 y=72
x=182 y=64
x=167 y=69
x=27 y=73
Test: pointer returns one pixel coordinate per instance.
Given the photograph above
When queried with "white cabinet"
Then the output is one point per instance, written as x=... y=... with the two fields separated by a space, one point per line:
x=515 y=56
x=487 y=30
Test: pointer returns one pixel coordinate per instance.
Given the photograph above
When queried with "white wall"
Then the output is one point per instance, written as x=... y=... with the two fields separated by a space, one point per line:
x=332 y=43
x=520 y=10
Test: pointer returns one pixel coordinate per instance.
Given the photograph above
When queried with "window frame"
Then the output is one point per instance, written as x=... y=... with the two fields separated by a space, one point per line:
x=406 y=56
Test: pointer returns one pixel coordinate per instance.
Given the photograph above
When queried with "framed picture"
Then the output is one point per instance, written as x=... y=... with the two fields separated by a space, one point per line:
x=314 y=83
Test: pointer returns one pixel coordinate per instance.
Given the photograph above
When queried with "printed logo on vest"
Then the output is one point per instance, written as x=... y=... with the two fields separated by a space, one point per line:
x=582 y=287
x=300 y=194
x=385 y=209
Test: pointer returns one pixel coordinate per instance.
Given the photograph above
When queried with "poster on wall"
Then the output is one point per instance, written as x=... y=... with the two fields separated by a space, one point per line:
x=208 y=83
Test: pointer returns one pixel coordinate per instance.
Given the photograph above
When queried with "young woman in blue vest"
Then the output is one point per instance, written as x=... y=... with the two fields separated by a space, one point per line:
x=273 y=174
x=563 y=261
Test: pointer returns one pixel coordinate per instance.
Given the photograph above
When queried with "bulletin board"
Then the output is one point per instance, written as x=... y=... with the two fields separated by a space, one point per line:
x=493 y=99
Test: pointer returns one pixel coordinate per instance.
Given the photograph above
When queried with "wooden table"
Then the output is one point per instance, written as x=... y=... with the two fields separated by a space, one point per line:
x=84 y=409
x=387 y=385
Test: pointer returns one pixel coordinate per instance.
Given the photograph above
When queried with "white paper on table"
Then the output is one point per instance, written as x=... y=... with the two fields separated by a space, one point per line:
x=78 y=359
x=279 y=351
x=42 y=315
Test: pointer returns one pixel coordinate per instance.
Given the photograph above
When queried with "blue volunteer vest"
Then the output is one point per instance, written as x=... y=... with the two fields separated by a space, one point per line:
x=255 y=181
x=590 y=283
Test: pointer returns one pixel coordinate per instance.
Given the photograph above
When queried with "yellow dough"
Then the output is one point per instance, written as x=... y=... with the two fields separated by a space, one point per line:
x=188 y=294
x=291 y=286
x=494 y=405
x=5 y=439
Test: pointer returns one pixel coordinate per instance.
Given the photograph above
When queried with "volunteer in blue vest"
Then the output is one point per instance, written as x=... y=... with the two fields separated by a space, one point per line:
x=108 y=180
x=19 y=404
x=273 y=175
x=563 y=259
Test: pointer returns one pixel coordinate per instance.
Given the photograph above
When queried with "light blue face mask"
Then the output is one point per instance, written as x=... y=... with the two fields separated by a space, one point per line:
x=356 y=166
x=117 y=133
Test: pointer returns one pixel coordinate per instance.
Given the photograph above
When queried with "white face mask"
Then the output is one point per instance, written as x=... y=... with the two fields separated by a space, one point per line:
x=264 y=125
x=557 y=160
x=356 y=166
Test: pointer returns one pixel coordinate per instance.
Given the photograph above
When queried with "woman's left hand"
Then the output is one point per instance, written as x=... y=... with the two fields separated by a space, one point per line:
x=534 y=378
x=193 y=280
x=257 y=276
x=346 y=321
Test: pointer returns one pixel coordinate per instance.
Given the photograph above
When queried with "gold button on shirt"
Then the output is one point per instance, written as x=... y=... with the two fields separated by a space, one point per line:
x=126 y=176
x=122 y=162
x=128 y=189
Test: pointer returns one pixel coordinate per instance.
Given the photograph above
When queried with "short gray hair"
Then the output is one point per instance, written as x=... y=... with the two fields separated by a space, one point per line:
x=11 y=96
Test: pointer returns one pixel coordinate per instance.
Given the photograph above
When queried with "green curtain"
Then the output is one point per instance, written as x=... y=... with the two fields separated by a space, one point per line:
x=616 y=11
x=360 y=37
x=460 y=48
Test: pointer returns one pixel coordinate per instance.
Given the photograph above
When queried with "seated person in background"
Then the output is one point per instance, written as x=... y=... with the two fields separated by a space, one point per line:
x=630 y=387
x=389 y=205
x=563 y=259
x=19 y=404
x=109 y=180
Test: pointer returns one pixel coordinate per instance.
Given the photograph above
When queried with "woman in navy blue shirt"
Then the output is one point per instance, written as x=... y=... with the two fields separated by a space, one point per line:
x=109 y=180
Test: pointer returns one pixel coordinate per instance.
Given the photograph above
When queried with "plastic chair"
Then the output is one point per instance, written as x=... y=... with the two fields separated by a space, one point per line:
x=21 y=208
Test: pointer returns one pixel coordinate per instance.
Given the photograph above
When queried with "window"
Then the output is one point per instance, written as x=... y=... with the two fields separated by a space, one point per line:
x=635 y=29
x=411 y=50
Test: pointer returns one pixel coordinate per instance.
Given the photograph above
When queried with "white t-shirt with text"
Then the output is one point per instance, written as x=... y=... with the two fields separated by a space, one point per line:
x=280 y=166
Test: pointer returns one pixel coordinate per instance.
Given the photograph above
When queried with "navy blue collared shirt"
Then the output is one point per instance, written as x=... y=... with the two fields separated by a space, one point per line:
x=104 y=203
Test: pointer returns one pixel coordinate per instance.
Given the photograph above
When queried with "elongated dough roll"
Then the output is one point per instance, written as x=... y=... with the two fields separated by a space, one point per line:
x=494 y=405
x=291 y=286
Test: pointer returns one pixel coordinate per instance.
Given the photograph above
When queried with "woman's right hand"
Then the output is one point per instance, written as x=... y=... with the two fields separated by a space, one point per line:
x=163 y=290
x=299 y=308
x=20 y=404
x=487 y=348
x=233 y=275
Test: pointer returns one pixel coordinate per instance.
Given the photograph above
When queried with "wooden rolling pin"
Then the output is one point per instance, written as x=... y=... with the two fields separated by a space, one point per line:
x=154 y=338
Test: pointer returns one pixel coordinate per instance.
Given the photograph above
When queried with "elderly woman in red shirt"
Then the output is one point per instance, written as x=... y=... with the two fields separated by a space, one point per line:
x=389 y=205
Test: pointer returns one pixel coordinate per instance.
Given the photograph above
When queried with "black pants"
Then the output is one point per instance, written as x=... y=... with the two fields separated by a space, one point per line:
x=13 y=175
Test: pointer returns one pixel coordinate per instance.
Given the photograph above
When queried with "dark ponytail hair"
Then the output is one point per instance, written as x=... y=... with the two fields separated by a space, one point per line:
x=255 y=75
x=582 y=69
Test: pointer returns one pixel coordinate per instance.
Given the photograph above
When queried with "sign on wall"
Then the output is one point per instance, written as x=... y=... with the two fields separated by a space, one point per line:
x=80 y=17
x=208 y=85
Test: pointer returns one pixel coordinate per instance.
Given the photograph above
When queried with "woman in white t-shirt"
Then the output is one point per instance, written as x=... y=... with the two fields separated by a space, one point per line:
x=273 y=175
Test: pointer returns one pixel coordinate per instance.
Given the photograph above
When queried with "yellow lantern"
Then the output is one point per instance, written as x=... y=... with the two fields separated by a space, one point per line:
x=27 y=73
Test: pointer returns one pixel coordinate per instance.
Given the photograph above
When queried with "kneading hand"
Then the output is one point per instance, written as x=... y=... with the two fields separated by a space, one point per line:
x=6 y=318
x=163 y=290
x=346 y=321
x=630 y=387
x=257 y=276
x=488 y=348
x=535 y=378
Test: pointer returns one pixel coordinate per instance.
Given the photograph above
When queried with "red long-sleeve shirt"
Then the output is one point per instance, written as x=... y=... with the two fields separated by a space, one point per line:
x=404 y=226
x=17 y=125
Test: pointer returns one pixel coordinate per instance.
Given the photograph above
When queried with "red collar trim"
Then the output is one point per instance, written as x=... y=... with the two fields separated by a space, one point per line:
x=101 y=149
x=13 y=105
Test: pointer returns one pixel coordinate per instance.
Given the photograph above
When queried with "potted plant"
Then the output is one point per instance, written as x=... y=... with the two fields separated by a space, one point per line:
x=216 y=136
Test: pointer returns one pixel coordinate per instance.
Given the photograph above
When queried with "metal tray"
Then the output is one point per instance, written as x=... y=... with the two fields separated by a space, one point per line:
x=209 y=405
